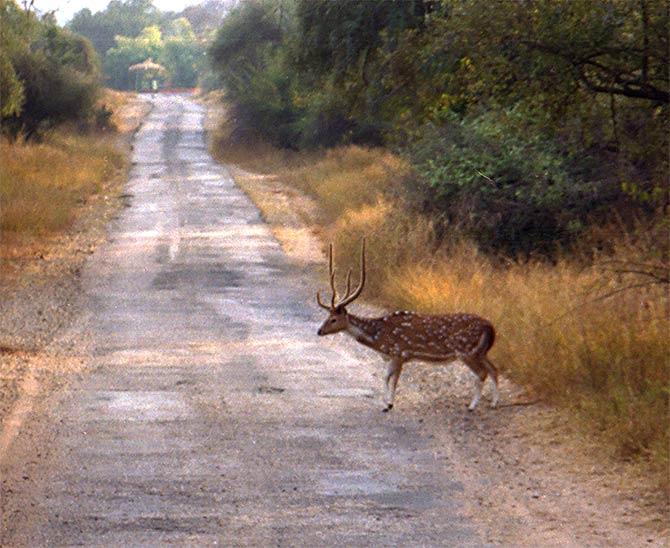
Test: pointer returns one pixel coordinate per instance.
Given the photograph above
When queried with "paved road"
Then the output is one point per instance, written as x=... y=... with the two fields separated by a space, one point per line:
x=214 y=414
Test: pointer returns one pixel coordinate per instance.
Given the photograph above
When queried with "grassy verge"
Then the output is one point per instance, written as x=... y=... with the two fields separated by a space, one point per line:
x=604 y=359
x=43 y=185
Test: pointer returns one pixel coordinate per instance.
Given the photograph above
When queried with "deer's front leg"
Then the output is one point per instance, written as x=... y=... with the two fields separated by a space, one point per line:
x=391 y=381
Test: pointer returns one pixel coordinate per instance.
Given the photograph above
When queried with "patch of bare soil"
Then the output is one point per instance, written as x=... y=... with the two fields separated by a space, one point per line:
x=532 y=476
x=536 y=478
x=42 y=312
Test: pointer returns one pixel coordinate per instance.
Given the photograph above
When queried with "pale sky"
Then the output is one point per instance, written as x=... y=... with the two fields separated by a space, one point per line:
x=65 y=9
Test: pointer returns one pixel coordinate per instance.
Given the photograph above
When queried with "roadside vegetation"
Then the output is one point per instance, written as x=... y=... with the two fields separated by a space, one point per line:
x=58 y=146
x=44 y=183
x=48 y=76
x=521 y=174
x=575 y=331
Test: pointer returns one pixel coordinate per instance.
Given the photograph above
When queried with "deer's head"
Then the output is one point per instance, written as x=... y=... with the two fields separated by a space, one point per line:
x=338 y=318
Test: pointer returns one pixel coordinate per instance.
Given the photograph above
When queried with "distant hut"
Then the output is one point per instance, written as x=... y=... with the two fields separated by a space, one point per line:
x=147 y=74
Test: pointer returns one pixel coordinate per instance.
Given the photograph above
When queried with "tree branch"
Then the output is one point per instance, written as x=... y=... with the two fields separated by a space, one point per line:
x=628 y=86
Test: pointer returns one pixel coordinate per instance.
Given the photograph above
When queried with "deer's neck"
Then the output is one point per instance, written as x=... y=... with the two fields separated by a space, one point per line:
x=366 y=331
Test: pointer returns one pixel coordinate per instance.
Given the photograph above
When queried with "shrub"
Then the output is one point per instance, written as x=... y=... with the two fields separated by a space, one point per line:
x=53 y=94
x=509 y=193
x=52 y=75
x=245 y=55
x=324 y=121
x=11 y=88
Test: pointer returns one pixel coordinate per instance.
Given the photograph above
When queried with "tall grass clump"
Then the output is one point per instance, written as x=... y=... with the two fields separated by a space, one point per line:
x=42 y=184
x=575 y=335
x=348 y=178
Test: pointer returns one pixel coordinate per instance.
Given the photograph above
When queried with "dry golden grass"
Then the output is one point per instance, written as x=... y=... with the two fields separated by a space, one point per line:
x=41 y=184
x=607 y=359
x=347 y=179
x=128 y=110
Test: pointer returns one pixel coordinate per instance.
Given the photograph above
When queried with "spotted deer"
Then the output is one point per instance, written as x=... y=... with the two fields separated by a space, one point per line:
x=404 y=336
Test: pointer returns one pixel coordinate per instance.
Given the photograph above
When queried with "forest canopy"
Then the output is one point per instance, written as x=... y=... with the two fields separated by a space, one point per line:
x=525 y=122
x=128 y=32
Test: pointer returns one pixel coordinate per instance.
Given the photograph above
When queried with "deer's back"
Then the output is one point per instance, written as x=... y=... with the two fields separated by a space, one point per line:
x=447 y=335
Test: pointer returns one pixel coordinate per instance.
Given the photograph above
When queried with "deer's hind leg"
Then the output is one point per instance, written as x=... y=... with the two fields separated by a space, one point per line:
x=481 y=372
x=493 y=371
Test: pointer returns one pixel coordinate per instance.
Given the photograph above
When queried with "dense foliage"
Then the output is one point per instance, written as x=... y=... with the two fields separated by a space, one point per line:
x=119 y=18
x=524 y=121
x=47 y=75
x=128 y=32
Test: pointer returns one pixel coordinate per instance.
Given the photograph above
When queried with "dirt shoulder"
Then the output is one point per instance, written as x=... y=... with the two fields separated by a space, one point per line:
x=532 y=477
x=42 y=323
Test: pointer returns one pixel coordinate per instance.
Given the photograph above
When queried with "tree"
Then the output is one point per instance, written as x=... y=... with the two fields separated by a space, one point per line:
x=207 y=16
x=49 y=75
x=182 y=54
x=129 y=51
x=12 y=93
x=246 y=54
x=617 y=47
x=13 y=30
x=120 y=18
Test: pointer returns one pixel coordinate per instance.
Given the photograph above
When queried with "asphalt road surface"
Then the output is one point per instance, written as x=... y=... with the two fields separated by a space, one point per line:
x=213 y=414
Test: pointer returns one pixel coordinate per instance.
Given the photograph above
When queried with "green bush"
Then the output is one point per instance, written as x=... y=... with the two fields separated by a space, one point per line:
x=54 y=94
x=53 y=75
x=252 y=69
x=323 y=121
x=11 y=88
x=183 y=59
x=511 y=193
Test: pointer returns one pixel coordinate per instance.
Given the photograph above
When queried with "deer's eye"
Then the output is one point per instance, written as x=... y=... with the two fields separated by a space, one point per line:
x=332 y=320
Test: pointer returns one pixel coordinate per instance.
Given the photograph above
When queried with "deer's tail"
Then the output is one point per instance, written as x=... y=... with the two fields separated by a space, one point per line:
x=485 y=341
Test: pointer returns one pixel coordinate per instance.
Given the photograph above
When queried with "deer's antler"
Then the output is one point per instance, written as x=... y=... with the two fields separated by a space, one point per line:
x=348 y=296
x=331 y=276
x=348 y=299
